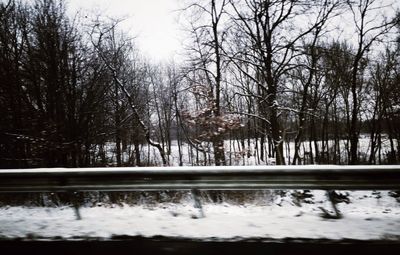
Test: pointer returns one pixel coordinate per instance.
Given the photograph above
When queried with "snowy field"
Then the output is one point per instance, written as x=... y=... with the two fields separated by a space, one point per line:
x=235 y=154
x=368 y=216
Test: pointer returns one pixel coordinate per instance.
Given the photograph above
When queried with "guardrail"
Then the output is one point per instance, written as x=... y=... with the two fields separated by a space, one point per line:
x=326 y=177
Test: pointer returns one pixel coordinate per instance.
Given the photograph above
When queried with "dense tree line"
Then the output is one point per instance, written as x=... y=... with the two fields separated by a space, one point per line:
x=262 y=80
x=60 y=101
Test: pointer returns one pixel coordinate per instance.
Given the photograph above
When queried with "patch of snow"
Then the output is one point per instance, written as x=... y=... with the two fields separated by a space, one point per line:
x=369 y=215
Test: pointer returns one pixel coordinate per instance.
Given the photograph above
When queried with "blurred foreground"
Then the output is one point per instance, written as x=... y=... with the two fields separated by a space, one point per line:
x=367 y=215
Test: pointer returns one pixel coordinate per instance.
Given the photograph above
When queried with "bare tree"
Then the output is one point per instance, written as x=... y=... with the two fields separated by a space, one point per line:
x=370 y=28
x=313 y=54
x=98 y=36
x=208 y=37
x=272 y=38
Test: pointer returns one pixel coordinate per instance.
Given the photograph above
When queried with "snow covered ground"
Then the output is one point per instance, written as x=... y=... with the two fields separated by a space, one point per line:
x=369 y=215
x=234 y=153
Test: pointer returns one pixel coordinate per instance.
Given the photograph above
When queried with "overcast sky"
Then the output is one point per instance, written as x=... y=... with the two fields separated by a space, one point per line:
x=156 y=26
x=154 y=22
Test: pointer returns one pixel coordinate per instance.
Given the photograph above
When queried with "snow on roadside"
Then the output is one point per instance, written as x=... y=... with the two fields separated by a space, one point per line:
x=370 y=215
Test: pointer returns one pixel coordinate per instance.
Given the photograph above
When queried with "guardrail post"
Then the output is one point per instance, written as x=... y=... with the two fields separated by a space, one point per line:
x=75 y=204
x=197 y=202
x=337 y=214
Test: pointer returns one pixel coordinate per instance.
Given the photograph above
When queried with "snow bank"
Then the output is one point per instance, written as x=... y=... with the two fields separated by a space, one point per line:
x=369 y=215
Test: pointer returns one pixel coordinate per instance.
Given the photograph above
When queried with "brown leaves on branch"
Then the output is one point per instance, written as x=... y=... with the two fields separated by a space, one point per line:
x=209 y=125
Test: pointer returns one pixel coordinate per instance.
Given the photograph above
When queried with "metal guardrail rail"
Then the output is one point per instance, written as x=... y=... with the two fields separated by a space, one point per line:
x=326 y=177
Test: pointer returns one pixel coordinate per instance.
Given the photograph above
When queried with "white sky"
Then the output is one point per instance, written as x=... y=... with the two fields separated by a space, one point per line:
x=153 y=22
